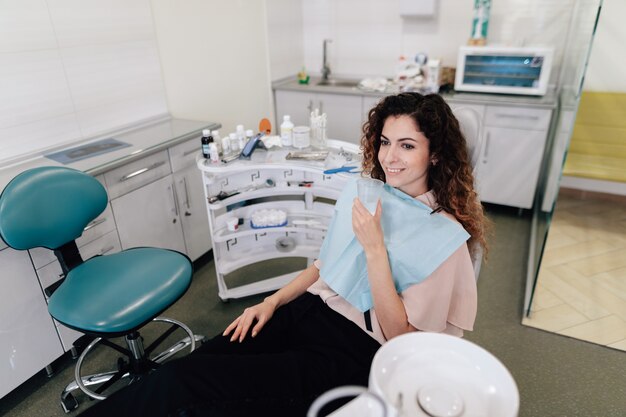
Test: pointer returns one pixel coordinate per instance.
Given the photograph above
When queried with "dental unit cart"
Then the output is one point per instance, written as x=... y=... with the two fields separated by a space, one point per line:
x=271 y=181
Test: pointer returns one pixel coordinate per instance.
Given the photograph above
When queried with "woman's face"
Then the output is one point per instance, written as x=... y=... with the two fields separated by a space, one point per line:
x=404 y=155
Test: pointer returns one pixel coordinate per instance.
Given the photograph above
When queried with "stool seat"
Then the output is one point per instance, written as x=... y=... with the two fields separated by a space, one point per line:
x=120 y=292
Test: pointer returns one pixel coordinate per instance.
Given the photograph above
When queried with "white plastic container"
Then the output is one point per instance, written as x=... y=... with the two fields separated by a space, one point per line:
x=286 y=131
x=301 y=137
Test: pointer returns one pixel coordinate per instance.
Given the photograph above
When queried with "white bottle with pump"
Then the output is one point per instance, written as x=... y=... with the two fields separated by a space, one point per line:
x=286 y=131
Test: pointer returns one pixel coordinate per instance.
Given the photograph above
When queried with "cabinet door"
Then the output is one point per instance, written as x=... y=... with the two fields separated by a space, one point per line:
x=510 y=166
x=193 y=213
x=149 y=216
x=28 y=339
x=296 y=104
x=344 y=116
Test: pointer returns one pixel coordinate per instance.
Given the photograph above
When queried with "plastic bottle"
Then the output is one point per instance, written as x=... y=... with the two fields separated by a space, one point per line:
x=234 y=144
x=213 y=153
x=225 y=146
x=241 y=137
x=286 y=131
x=206 y=140
x=217 y=140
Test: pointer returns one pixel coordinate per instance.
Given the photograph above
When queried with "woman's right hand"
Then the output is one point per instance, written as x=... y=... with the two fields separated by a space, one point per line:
x=261 y=312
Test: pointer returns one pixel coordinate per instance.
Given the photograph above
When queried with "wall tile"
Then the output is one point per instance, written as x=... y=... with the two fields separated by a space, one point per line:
x=32 y=87
x=93 y=22
x=25 y=26
x=111 y=73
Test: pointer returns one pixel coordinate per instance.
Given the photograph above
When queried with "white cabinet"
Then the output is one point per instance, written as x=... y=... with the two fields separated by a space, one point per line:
x=190 y=197
x=514 y=141
x=344 y=112
x=150 y=216
x=299 y=188
x=510 y=166
x=28 y=340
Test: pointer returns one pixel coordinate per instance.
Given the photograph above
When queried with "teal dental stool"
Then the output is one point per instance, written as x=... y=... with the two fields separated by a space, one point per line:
x=105 y=297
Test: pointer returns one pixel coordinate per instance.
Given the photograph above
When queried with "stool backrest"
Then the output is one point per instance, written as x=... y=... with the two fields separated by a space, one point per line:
x=49 y=207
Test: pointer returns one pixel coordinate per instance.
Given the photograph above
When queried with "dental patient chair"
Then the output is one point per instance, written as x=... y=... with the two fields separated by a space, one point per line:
x=105 y=297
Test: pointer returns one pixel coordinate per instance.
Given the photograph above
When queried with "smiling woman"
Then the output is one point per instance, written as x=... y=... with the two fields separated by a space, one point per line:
x=413 y=142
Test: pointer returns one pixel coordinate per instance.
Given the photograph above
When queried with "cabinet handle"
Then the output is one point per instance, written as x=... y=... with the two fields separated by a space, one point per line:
x=516 y=116
x=175 y=201
x=107 y=249
x=187 y=153
x=486 y=154
x=310 y=106
x=186 y=193
x=141 y=171
x=94 y=223
x=321 y=107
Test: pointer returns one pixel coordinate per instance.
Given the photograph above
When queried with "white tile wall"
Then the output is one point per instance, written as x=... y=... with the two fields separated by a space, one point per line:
x=74 y=69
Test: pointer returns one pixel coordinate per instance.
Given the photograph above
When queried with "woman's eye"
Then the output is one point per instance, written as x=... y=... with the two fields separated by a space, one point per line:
x=408 y=146
x=384 y=142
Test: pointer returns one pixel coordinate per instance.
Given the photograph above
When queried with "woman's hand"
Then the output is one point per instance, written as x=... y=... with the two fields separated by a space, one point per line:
x=367 y=228
x=260 y=312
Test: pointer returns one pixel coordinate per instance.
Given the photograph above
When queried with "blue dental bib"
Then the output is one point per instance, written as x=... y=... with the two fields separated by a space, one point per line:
x=417 y=243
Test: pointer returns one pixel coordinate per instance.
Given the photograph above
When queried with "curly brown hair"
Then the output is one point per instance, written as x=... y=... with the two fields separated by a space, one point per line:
x=451 y=178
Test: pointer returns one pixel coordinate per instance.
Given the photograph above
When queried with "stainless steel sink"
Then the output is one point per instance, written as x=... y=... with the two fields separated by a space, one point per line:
x=337 y=83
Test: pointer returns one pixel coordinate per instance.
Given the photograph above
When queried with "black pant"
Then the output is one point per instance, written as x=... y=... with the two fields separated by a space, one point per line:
x=303 y=351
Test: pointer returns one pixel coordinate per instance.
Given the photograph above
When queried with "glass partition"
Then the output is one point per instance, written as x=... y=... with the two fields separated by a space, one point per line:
x=577 y=48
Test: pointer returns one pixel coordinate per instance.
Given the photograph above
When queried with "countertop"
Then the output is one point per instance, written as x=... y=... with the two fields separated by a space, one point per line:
x=547 y=101
x=144 y=139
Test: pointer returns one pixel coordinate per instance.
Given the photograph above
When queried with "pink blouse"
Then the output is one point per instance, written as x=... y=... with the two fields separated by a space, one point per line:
x=444 y=302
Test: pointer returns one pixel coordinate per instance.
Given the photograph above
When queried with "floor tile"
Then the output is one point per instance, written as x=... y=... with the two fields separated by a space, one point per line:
x=604 y=331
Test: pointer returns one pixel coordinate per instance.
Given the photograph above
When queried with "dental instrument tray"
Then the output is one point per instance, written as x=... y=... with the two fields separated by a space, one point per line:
x=307 y=155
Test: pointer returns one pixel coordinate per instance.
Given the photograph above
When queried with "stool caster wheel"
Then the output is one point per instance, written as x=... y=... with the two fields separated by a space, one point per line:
x=69 y=403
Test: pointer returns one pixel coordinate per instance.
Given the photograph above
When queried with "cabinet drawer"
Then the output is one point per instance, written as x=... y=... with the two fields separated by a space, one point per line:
x=518 y=117
x=137 y=174
x=184 y=154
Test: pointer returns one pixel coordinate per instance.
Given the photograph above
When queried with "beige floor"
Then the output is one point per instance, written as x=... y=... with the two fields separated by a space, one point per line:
x=581 y=289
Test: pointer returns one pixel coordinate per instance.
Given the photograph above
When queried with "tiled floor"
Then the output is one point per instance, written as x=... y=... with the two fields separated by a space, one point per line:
x=581 y=289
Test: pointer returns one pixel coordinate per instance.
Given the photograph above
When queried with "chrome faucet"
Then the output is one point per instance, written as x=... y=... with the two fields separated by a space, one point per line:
x=325 y=67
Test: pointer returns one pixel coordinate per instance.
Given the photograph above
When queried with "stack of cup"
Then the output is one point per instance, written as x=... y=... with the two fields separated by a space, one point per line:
x=318 y=129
